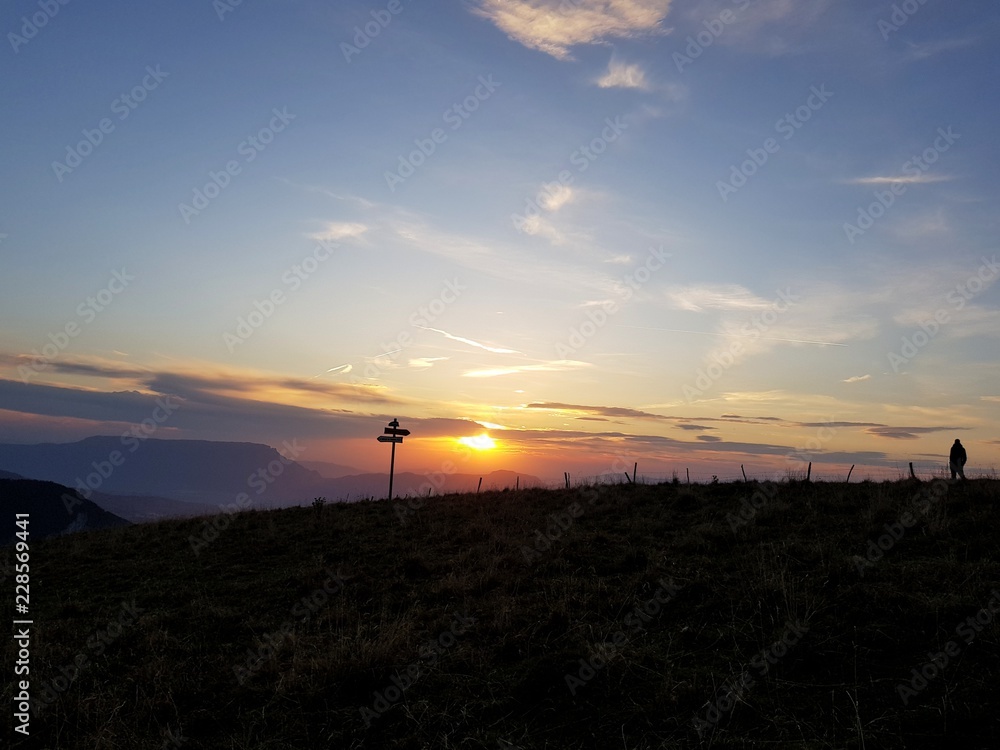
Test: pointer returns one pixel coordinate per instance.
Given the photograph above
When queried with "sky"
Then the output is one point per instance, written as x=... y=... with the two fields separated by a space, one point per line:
x=567 y=236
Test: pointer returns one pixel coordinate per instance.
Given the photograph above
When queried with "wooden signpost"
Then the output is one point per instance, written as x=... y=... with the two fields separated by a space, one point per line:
x=393 y=434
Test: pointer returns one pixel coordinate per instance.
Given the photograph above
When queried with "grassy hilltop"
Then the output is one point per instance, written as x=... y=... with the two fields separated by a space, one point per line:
x=628 y=616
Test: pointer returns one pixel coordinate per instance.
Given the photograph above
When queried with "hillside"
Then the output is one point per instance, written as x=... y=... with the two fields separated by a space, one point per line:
x=144 y=508
x=629 y=616
x=54 y=510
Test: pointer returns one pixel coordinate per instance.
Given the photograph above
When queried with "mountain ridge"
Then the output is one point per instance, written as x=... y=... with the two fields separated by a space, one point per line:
x=206 y=474
x=52 y=509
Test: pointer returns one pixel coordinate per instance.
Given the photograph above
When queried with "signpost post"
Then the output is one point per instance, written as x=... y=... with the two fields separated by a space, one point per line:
x=393 y=434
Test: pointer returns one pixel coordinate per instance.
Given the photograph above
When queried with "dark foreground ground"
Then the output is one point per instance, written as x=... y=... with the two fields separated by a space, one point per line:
x=727 y=615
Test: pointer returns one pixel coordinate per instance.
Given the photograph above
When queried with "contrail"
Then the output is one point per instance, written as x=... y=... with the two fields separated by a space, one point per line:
x=339 y=368
x=709 y=333
x=470 y=342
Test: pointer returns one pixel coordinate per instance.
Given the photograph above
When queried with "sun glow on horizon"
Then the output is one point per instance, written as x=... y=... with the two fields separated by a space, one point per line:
x=478 y=442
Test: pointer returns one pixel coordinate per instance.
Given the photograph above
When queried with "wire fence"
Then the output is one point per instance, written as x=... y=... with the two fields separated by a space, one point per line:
x=925 y=471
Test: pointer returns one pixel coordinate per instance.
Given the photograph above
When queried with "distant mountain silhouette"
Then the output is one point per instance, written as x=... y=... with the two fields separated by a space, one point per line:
x=53 y=508
x=161 y=478
x=10 y=475
x=329 y=470
x=198 y=471
x=146 y=508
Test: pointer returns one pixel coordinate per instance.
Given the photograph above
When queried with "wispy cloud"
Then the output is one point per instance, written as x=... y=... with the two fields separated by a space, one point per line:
x=561 y=365
x=557 y=197
x=422 y=363
x=685 y=423
x=622 y=260
x=857 y=379
x=924 y=50
x=538 y=226
x=605 y=411
x=698 y=298
x=769 y=27
x=907 y=179
x=623 y=76
x=554 y=26
x=339 y=369
x=504 y=260
x=339 y=230
x=908 y=433
x=210 y=383
x=471 y=342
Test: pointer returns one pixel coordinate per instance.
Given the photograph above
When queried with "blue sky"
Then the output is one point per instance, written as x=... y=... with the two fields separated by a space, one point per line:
x=684 y=233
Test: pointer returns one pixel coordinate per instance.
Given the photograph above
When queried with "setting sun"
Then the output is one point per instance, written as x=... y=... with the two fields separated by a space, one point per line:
x=478 y=442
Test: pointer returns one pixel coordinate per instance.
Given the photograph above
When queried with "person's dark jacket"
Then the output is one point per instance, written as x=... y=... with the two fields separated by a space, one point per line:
x=958 y=456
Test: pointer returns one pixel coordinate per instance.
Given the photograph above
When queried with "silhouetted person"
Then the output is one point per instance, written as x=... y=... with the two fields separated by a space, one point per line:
x=957 y=459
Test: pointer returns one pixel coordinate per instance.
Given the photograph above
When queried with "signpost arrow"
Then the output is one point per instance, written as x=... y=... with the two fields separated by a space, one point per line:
x=393 y=434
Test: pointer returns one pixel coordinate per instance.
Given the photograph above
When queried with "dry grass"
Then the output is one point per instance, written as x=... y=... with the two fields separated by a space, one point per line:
x=501 y=681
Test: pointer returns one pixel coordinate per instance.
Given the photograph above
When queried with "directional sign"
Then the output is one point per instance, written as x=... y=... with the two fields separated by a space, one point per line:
x=392 y=435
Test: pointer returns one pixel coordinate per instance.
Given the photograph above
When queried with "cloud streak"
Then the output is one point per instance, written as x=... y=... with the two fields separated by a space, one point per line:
x=909 y=179
x=335 y=231
x=470 y=342
x=554 y=366
x=554 y=26
x=623 y=76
